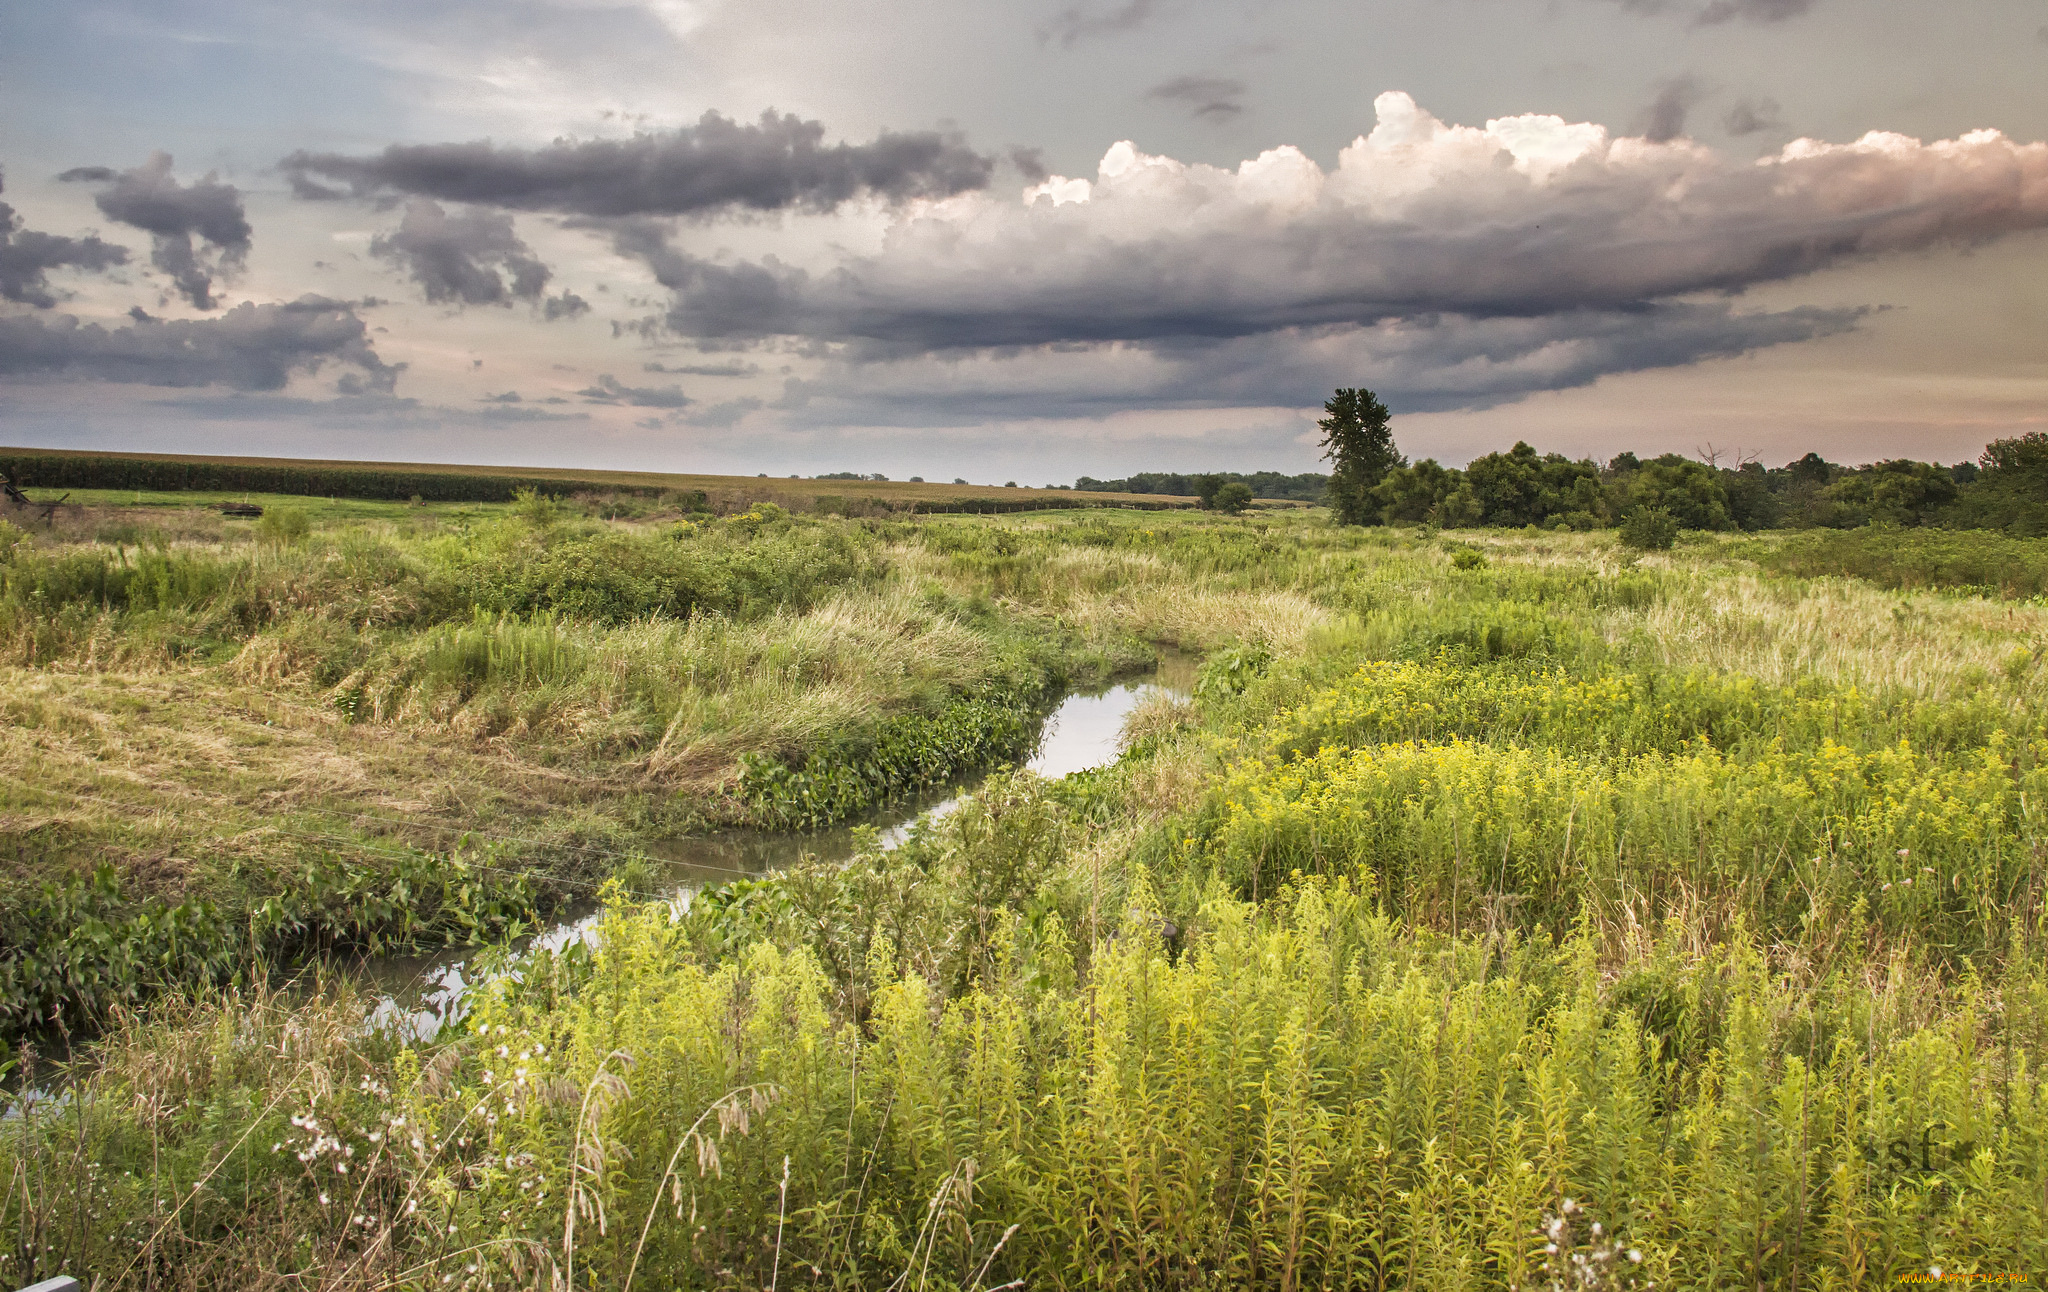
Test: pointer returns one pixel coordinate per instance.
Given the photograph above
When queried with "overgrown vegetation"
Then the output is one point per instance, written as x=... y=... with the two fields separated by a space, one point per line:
x=1489 y=888
x=1973 y=561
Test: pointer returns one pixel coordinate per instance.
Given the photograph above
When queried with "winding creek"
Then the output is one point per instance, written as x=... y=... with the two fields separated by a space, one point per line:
x=420 y=994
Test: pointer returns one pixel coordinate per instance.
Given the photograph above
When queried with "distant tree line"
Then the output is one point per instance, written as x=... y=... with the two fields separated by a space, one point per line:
x=1309 y=486
x=1371 y=483
x=2007 y=489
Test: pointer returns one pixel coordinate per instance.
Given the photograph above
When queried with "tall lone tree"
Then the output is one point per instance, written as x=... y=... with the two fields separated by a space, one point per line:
x=1358 y=439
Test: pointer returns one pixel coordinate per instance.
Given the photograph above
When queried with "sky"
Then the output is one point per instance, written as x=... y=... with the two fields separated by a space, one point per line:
x=1020 y=239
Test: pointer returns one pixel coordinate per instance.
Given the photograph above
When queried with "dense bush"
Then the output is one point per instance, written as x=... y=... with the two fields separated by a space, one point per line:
x=1972 y=561
x=1649 y=529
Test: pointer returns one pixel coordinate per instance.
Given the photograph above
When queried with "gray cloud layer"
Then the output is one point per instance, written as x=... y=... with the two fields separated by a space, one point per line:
x=1716 y=12
x=250 y=347
x=27 y=257
x=610 y=390
x=1748 y=116
x=1078 y=22
x=1665 y=119
x=1423 y=365
x=470 y=258
x=1528 y=217
x=779 y=163
x=150 y=199
x=1753 y=10
x=1212 y=98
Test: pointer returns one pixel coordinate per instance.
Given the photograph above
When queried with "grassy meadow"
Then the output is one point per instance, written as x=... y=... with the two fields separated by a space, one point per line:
x=1504 y=910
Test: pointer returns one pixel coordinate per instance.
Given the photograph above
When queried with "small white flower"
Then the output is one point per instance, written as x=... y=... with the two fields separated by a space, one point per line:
x=1635 y=1255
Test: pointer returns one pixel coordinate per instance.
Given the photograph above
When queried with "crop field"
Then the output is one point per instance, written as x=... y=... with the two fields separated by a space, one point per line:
x=1503 y=909
x=181 y=479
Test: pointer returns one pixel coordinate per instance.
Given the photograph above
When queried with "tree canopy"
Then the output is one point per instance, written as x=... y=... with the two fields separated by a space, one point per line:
x=1358 y=441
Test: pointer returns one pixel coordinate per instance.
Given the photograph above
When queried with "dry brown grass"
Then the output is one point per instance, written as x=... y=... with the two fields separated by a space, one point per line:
x=1846 y=632
x=161 y=770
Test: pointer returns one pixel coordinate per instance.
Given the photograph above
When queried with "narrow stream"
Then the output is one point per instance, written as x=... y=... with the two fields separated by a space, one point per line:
x=421 y=993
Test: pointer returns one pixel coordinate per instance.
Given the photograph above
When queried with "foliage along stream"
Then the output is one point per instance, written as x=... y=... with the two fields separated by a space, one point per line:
x=421 y=993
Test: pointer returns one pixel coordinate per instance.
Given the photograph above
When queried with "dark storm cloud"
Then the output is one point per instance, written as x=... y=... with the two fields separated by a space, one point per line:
x=250 y=347
x=1212 y=98
x=27 y=256
x=780 y=162
x=470 y=258
x=610 y=390
x=1527 y=218
x=1432 y=364
x=1664 y=120
x=151 y=199
x=1748 y=116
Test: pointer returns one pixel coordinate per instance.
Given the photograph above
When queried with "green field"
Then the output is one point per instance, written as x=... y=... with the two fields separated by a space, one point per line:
x=1492 y=885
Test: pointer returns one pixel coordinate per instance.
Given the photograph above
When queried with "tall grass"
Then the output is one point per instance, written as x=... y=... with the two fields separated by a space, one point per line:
x=1979 y=561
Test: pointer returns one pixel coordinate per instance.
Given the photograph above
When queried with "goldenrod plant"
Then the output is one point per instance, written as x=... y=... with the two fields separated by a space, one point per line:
x=1576 y=917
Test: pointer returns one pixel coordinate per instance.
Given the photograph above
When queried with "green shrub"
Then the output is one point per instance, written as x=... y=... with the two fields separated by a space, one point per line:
x=893 y=757
x=283 y=526
x=1649 y=529
x=74 y=952
x=1229 y=671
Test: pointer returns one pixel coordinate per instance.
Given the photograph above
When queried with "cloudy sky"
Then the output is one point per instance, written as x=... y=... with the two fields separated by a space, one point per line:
x=1020 y=239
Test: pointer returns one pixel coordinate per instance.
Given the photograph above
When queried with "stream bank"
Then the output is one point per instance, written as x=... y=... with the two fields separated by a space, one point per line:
x=420 y=994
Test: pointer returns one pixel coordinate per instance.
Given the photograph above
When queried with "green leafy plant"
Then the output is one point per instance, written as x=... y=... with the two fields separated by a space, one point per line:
x=283 y=526
x=1229 y=671
x=1649 y=529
